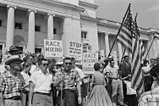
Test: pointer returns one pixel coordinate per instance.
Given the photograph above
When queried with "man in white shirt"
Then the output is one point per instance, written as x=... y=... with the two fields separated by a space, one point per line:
x=40 y=85
x=117 y=88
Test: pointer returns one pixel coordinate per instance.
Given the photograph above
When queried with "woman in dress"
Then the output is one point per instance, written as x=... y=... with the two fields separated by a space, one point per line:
x=99 y=95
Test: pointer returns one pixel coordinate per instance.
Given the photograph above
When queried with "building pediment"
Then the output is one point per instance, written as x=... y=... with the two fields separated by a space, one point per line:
x=59 y=3
x=86 y=4
x=45 y=2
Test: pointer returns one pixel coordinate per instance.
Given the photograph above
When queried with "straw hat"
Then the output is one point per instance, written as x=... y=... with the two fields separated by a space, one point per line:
x=12 y=59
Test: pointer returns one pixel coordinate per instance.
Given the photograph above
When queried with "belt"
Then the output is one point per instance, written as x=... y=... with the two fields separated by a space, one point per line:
x=14 y=98
x=48 y=94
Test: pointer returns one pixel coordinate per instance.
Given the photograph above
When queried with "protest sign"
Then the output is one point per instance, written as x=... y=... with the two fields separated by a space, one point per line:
x=75 y=50
x=53 y=48
x=89 y=59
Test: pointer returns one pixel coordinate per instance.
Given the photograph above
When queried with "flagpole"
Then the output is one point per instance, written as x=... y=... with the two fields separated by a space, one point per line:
x=119 y=30
x=150 y=47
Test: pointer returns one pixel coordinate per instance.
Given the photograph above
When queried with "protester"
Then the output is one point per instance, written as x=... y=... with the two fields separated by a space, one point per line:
x=131 y=93
x=153 y=93
x=125 y=67
x=25 y=74
x=52 y=70
x=67 y=81
x=40 y=85
x=33 y=65
x=12 y=83
x=82 y=76
x=52 y=66
x=147 y=78
x=99 y=95
x=12 y=51
x=80 y=72
x=124 y=72
x=117 y=86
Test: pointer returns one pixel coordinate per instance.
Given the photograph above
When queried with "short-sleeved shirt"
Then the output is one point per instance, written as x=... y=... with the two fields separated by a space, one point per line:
x=112 y=71
x=80 y=72
x=146 y=70
x=41 y=81
x=70 y=79
x=11 y=85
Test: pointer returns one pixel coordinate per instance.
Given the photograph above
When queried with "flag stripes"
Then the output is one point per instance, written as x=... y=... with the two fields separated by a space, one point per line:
x=125 y=36
x=137 y=56
x=143 y=52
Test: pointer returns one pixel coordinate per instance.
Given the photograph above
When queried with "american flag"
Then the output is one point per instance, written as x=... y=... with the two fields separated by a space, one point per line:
x=143 y=51
x=137 y=56
x=125 y=35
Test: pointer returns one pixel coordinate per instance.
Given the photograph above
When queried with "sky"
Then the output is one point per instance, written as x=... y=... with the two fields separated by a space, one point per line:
x=148 y=11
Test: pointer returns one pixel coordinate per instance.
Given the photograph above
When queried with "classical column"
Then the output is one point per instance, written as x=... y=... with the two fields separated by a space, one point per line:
x=67 y=25
x=107 y=43
x=10 y=26
x=50 y=27
x=31 y=32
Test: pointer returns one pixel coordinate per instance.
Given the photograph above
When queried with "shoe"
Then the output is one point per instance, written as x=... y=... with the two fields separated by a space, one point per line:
x=121 y=104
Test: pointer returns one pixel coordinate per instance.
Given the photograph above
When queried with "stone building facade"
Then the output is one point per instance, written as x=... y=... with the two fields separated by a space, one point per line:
x=26 y=23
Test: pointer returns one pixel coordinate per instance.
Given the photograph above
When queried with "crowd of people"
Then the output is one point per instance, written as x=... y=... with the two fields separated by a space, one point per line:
x=33 y=80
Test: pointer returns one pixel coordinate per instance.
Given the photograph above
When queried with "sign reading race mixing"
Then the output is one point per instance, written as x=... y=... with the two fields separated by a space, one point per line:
x=53 y=48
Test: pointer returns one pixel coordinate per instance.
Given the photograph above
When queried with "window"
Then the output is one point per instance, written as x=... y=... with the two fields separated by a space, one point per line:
x=55 y=31
x=37 y=28
x=84 y=35
x=37 y=50
x=18 y=25
x=0 y=22
x=1 y=47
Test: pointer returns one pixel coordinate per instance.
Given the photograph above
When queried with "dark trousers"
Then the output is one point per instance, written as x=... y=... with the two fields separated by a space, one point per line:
x=125 y=93
x=132 y=100
x=54 y=95
x=148 y=80
x=69 y=98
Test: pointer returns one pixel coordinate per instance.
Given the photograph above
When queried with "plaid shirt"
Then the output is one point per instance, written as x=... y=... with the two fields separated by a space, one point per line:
x=10 y=85
x=70 y=79
x=149 y=100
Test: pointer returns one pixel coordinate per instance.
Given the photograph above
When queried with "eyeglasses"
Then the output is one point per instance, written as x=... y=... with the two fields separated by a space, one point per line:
x=68 y=63
x=45 y=64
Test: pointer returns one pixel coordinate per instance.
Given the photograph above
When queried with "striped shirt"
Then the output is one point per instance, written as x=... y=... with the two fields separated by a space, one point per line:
x=11 y=85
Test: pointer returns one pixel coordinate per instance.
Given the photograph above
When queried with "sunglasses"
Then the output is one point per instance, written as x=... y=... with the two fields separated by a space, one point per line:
x=68 y=63
x=45 y=64
x=27 y=66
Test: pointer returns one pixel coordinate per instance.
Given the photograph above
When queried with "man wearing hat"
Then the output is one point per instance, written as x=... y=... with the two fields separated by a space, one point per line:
x=12 y=83
x=14 y=51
